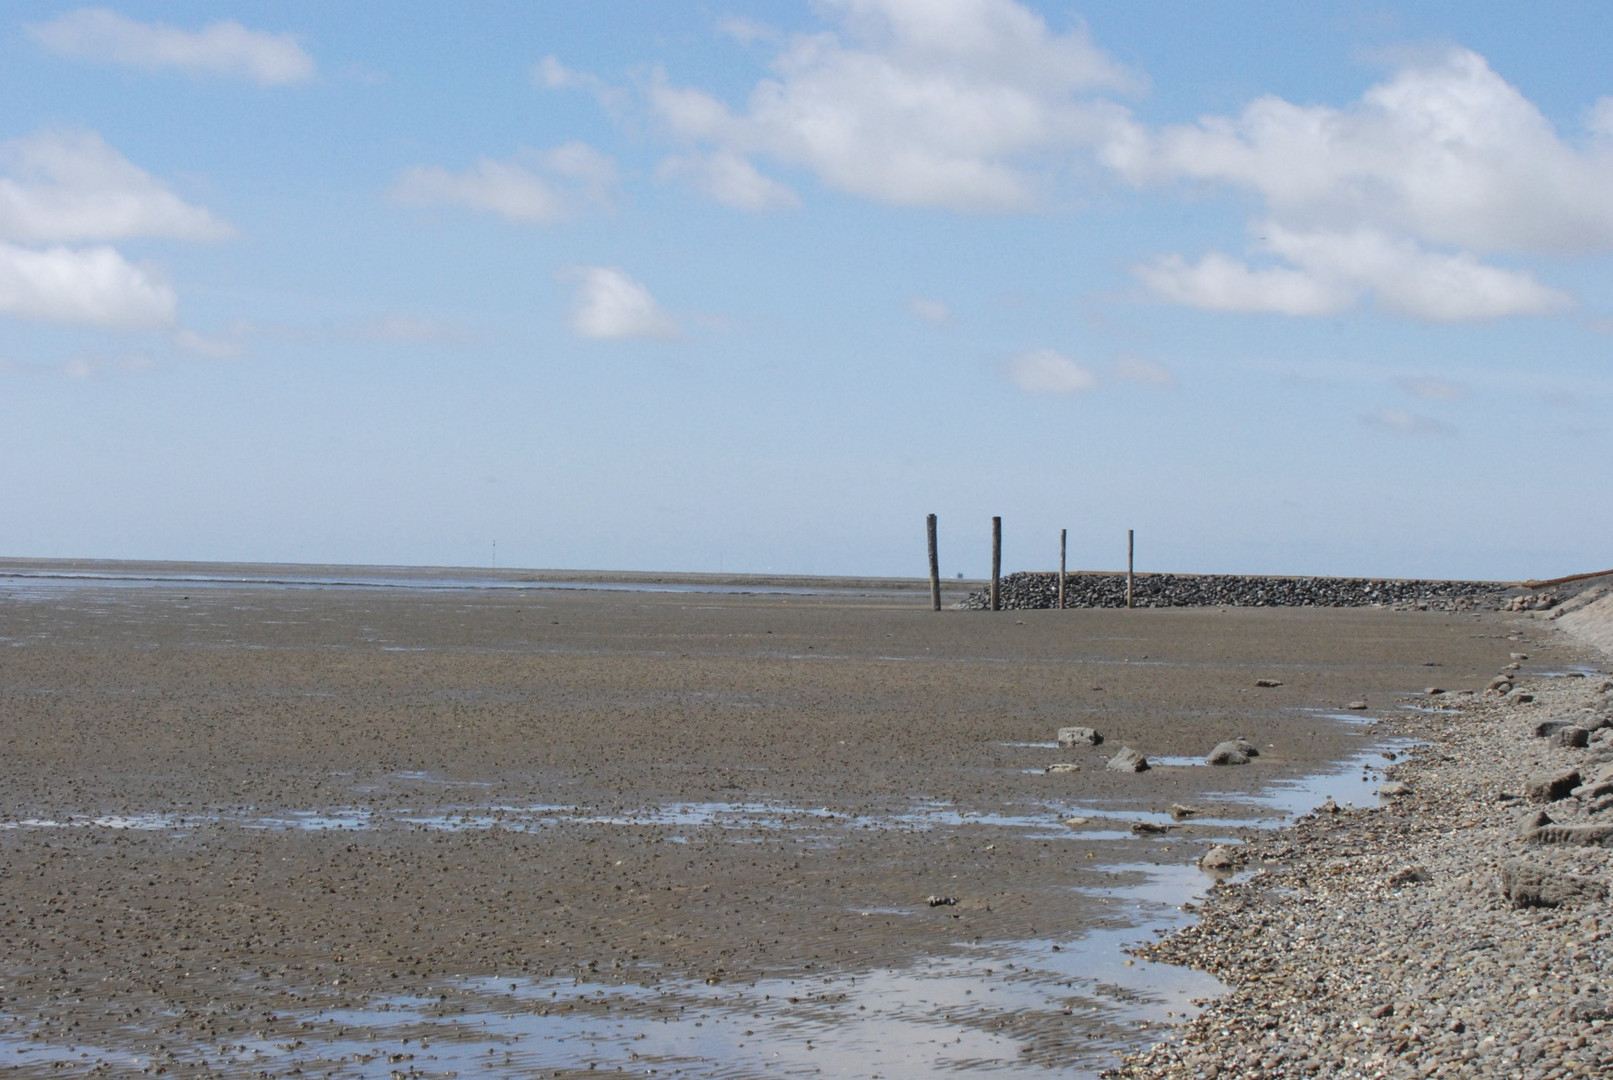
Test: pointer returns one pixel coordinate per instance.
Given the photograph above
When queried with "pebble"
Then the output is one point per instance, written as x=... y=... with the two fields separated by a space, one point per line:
x=1425 y=937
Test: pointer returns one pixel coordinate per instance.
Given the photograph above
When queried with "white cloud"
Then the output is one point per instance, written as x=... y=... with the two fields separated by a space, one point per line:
x=222 y=48
x=1397 y=196
x=609 y=304
x=97 y=287
x=1432 y=389
x=537 y=188
x=931 y=311
x=1044 y=371
x=1137 y=370
x=1401 y=422
x=727 y=178
x=72 y=186
x=934 y=103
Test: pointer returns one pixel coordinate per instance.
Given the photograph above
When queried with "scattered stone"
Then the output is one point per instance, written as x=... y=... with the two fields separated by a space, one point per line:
x=1433 y=691
x=1394 y=789
x=1227 y=753
x=1604 y=686
x=1520 y=656
x=1537 y=820
x=941 y=901
x=1128 y=760
x=1356 y=706
x=1328 y=807
x=1024 y=590
x=1547 y=728
x=1078 y=736
x=1268 y=682
x=1411 y=875
x=1223 y=858
x=1149 y=828
x=1062 y=767
x=1527 y=884
x=1382 y=1011
x=1570 y=738
x=1077 y=822
x=1518 y=697
x=1549 y=787
x=1181 y=813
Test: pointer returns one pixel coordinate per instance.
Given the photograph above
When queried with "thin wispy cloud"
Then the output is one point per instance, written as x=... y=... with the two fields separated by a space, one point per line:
x=1431 y=389
x=931 y=311
x=222 y=48
x=1401 y=422
x=533 y=188
x=1046 y=371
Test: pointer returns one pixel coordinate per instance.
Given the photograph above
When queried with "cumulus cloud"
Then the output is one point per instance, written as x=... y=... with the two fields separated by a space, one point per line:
x=97 y=287
x=1400 y=422
x=222 y=48
x=1044 y=371
x=944 y=103
x=727 y=178
x=536 y=188
x=1396 y=196
x=611 y=305
x=72 y=186
x=931 y=311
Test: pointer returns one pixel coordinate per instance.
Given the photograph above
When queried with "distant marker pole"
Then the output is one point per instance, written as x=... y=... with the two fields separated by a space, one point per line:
x=1062 y=533
x=1131 y=552
x=996 y=563
x=935 y=565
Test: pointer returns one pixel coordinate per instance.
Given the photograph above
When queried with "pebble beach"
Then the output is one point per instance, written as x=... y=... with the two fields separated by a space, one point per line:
x=1460 y=928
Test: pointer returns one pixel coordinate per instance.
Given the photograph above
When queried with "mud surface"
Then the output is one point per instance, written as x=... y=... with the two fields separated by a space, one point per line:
x=257 y=831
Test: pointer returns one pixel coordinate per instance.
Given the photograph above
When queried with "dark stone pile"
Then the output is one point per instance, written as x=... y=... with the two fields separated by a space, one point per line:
x=1024 y=591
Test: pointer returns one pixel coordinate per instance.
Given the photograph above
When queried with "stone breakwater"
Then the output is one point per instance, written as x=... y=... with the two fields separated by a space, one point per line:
x=1028 y=590
x=1460 y=929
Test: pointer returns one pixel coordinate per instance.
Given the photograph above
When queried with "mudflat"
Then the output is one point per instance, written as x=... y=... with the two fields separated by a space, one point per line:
x=234 y=818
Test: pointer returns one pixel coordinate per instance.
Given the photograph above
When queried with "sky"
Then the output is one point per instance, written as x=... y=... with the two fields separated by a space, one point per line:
x=754 y=287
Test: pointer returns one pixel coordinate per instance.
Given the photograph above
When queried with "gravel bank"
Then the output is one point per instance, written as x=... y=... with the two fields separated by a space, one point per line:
x=1026 y=591
x=1443 y=933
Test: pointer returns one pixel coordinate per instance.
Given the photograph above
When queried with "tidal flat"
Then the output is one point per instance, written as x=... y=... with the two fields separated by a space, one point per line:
x=354 y=829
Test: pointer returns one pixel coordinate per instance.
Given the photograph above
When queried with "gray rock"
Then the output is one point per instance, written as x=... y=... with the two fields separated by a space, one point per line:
x=1356 y=705
x=1227 y=754
x=1547 y=728
x=1526 y=884
x=1549 y=787
x=1411 y=875
x=1223 y=858
x=1537 y=820
x=1179 y=812
x=1062 y=767
x=1573 y=835
x=1268 y=682
x=1078 y=736
x=1394 y=789
x=1128 y=760
x=1149 y=828
x=1570 y=738
x=1433 y=691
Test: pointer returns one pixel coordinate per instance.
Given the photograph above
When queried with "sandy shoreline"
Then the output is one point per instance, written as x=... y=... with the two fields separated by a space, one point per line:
x=1440 y=934
x=317 y=806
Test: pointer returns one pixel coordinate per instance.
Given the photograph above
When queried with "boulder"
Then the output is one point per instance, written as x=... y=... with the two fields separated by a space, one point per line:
x=1547 y=728
x=1220 y=862
x=1232 y=752
x=1078 y=736
x=1549 y=787
x=1128 y=760
x=1526 y=884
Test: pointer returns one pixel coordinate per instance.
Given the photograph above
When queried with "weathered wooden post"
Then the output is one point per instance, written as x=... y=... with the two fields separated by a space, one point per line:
x=935 y=566
x=1062 y=533
x=996 y=563
x=1131 y=548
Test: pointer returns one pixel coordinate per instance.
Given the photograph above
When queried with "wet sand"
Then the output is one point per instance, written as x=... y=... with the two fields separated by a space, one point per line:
x=312 y=801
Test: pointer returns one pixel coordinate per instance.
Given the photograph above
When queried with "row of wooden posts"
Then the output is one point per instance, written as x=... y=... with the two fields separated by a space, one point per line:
x=997 y=564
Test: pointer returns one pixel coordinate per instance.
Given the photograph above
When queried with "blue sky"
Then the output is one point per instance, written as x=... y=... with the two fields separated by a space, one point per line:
x=754 y=287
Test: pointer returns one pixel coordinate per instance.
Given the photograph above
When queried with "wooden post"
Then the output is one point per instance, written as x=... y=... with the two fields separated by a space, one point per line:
x=1062 y=534
x=996 y=563
x=935 y=566
x=1131 y=549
